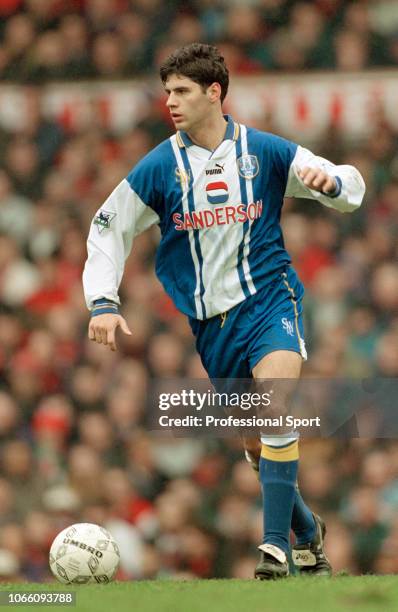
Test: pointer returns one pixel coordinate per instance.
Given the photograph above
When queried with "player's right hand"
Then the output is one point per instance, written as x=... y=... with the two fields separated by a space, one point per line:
x=102 y=329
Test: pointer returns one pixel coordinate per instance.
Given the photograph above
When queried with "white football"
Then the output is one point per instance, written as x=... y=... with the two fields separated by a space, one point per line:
x=84 y=553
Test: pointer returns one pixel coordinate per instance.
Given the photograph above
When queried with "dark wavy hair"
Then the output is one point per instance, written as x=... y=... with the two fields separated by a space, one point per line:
x=201 y=63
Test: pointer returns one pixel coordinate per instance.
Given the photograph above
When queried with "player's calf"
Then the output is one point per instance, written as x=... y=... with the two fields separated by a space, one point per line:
x=253 y=452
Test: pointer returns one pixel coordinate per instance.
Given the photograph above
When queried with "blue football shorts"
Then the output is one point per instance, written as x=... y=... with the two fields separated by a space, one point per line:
x=231 y=344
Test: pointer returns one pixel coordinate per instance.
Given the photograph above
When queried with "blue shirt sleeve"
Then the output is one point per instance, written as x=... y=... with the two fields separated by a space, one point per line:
x=148 y=176
x=283 y=153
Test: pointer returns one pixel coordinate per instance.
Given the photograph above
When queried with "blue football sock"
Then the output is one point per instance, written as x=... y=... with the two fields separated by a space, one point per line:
x=303 y=523
x=278 y=476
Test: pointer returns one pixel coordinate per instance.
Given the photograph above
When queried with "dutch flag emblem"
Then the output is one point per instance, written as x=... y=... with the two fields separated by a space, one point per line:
x=217 y=192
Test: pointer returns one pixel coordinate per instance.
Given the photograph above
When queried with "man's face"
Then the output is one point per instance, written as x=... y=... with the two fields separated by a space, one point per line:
x=188 y=103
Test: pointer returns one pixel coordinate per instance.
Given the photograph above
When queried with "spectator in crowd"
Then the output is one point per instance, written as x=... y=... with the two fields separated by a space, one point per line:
x=46 y=41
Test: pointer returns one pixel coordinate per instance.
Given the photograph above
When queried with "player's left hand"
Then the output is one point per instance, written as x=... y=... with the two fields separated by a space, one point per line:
x=317 y=179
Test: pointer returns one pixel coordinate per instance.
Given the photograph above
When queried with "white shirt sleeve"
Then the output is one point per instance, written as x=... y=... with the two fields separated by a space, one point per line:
x=351 y=186
x=122 y=217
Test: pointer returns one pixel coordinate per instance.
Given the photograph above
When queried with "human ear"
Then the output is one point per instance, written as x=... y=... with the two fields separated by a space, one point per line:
x=214 y=92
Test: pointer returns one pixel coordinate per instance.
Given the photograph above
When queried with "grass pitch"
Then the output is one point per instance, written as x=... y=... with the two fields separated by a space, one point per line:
x=363 y=593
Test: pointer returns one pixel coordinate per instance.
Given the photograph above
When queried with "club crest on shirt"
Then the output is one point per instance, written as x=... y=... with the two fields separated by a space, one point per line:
x=248 y=166
x=103 y=220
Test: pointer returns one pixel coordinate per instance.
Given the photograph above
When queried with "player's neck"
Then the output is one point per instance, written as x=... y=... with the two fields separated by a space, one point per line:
x=210 y=133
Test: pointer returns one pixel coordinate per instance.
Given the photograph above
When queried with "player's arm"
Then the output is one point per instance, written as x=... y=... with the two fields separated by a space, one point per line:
x=122 y=217
x=340 y=187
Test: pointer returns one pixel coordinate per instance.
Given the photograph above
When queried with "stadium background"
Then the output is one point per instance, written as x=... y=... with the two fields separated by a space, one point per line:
x=72 y=415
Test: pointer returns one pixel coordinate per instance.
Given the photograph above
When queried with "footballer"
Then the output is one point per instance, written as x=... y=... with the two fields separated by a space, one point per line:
x=216 y=190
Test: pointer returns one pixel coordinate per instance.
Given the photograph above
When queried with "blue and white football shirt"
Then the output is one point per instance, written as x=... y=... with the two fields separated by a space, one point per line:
x=219 y=216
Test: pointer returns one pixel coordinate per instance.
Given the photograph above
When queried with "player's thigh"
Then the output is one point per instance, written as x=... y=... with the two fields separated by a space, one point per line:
x=277 y=373
x=279 y=364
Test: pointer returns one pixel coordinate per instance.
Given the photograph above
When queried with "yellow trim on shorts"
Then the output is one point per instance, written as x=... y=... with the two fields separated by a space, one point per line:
x=223 y=316
x=286 y=453
x=296 y=315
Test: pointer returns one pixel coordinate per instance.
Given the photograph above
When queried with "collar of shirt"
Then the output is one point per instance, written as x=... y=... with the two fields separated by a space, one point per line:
x=231 y=133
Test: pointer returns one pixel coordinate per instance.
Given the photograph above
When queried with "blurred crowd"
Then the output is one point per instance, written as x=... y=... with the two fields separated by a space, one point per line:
x=47 y=40
x=74 y=445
